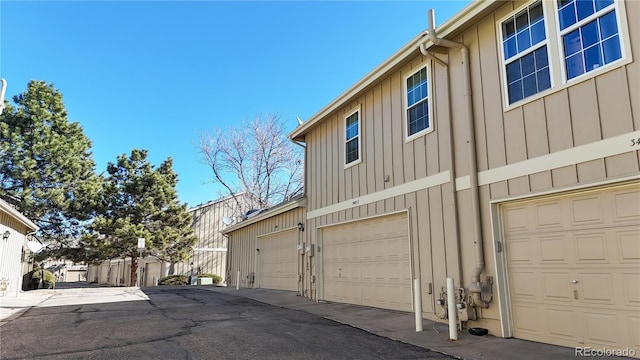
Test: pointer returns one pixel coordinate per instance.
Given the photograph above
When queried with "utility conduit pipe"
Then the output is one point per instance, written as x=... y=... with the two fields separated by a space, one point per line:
x=475 y=287
x=452 y=170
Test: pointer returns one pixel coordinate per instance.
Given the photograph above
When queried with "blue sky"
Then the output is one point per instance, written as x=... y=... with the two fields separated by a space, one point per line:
x=156 y=75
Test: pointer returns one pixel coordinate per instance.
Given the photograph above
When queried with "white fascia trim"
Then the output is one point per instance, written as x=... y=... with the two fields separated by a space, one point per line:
x=277 y=232
x=406 y=188
x=5 y=207
x=457 y=21
x=265 y=215
x=597 y=150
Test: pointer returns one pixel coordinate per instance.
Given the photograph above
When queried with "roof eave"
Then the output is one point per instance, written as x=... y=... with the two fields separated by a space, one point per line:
x=454 y=23
x=4 y=206
x=266 y=214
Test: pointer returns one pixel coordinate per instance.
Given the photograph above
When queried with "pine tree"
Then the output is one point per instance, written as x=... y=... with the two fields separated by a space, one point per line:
x=46 y=166
x=140 y=201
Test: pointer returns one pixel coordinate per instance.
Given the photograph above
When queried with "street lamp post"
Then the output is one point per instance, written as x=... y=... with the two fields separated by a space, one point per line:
x=141 y=247
x=41 y=284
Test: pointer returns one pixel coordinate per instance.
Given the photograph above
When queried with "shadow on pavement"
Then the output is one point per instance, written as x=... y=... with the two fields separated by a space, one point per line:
x=78 y=285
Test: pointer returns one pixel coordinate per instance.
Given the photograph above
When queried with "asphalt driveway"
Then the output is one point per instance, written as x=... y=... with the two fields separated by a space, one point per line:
x=185 y=323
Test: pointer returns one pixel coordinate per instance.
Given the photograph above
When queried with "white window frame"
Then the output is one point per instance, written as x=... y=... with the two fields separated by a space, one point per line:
x=405 y=105
x=503 y=61
x=555 y=52
x=357 y=110
x=623 y=33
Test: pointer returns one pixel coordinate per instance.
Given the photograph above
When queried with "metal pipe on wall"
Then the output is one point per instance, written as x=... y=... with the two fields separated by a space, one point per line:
x=423 y=50
x=475 y=287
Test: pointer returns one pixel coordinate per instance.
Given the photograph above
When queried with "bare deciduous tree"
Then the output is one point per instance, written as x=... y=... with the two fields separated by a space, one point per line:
x=255 y=163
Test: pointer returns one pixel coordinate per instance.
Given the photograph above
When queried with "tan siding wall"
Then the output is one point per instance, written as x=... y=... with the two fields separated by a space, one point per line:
x=590 y=110
x=593 y=109
x=243 y=244
x=11 y=269
x=208 y=226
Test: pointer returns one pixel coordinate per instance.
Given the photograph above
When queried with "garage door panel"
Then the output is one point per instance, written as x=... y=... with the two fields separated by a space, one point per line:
x=377 y=265
x=555 y=287
x=633 y=328
x=629 y=246
x=521 y=251
x=626 y=206
x=523 y=284
x=590 y=246
x=631 y=285
x=548 y=215
x=597 y=288
x=601 y=328
x=278 y=261
x=553 y=250
x=370 y=273
x=561 y=323
x=586 y=211
x=516 y=219
x=526 y=318
x=573 y=266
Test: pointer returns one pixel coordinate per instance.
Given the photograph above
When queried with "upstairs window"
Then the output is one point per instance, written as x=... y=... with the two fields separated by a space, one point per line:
x=547 y=44
x=417 y=103
x=352 y=138
x=590 y=35
x=525 y=54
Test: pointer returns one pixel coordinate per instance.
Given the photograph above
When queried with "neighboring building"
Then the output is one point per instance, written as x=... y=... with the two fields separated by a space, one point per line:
x=67 y=270
x=266 y=249
x=14 y=230
x=209 y=254
x=501 y=150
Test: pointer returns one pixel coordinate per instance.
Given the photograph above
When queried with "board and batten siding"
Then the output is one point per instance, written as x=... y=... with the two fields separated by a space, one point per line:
x=11 y=251
x=243 y=243
x=593 y=112
x=388 y=162
x=583 y=112
x=210 y=251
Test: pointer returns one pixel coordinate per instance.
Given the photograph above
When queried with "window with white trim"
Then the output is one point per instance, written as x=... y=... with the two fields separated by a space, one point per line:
x=524 y=43
x=590 y=36
x=547 y=44
x=417 y=113
x=352 y=138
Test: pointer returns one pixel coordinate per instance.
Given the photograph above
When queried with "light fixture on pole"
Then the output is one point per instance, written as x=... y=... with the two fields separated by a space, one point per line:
x=6 y=235
x=300 y=226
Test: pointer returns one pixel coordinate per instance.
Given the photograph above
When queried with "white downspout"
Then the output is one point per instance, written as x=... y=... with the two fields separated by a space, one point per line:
x=475 y=287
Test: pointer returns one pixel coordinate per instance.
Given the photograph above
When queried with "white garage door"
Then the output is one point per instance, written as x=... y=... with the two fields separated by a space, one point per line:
x=368 y=263
x=573 y=266
x=278 y=262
